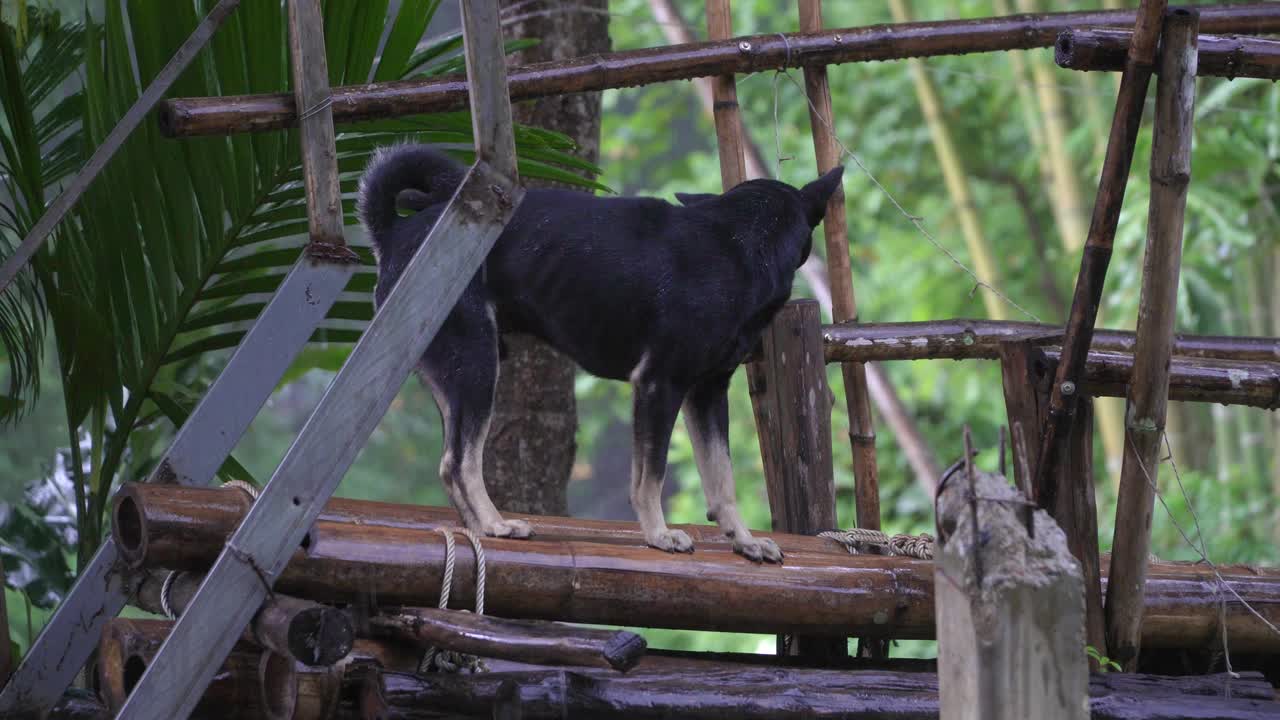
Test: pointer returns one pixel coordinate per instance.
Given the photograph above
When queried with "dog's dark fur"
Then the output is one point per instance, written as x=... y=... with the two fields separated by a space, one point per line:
x=669 y=297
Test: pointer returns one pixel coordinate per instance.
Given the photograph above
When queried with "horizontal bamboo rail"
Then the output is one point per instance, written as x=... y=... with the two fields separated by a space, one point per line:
x=1254 y=383
x=1229 y=57
x=186 y=117
x=962 y=339
x=816 y=593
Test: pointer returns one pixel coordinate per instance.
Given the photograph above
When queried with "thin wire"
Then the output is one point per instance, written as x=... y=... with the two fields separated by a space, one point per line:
x=913 y=219
x=1201 y=549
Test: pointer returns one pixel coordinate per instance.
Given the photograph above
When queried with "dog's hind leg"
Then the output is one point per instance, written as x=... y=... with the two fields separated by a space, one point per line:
x=655 y=404
x=706 y=415
x=461 y=369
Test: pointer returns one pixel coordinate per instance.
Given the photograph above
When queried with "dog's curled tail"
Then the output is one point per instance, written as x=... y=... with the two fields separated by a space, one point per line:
x=396 y=168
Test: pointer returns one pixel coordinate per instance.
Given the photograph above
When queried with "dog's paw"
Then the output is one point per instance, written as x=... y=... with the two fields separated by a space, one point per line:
x=759 y=550
x=509 y=529
x=671 y=541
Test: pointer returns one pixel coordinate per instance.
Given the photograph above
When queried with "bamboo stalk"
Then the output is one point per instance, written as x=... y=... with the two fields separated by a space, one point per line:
x=300 y=630
x=1097 y=251
x=724 y=91
x=182 y=117
x=844 y=306
x=813 y=593
x=963 y=339
x=1230 y=57
x=527 y=641
x=1064 y=189
x=954 y=175
x=1149 y=389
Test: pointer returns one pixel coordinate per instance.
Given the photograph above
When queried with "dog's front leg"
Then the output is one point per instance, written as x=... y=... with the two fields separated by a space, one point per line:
x=655 y=404
x=706 y=415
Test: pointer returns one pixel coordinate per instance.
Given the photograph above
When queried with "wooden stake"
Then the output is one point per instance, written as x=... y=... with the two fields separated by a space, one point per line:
x=1139 y=66
x=1026 y=373
x=790 y=396
x=1010 y=611
x=844 y=306
x=1149 y=391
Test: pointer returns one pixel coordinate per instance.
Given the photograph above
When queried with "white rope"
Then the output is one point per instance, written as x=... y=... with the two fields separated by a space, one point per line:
x=862 y=540
x=165 y=589
x=449 y=661
x=249 y=488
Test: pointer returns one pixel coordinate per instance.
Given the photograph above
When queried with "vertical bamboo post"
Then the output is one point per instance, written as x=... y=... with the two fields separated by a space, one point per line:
x=724 y=91
x=1009 y=609
x=1026 y=374
x=1139 y=65
x=790 y=385
x=319 y=154
x=799 y=499
x=1149 y=388
x=862 y=433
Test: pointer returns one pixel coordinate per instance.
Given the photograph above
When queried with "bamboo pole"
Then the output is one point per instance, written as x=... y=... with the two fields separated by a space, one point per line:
x=527 y=641
x=964 y=339
x=862 y=434
x=955 y=177
x=300 y=630
x=1064 y=189
x=182 y=117
x=1097 y=251
x=1149 y=389
x=813 y=593
x=725 y=109
x=1231 y=57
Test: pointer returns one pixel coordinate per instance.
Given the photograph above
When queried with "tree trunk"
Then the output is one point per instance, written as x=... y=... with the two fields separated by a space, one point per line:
x=530 y=450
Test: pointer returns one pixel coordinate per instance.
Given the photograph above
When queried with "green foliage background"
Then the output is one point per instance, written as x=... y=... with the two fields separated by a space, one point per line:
x=657 y=140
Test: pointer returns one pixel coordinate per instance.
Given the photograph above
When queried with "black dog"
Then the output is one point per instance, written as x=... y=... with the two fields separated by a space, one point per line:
x=671 y=298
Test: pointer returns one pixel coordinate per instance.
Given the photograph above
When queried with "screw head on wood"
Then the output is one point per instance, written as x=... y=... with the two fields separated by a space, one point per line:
x=744 y=46
x=1068 y=388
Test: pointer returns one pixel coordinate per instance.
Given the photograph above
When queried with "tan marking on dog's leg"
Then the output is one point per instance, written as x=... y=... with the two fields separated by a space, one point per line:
x=716 y=470
x=476 y=495
x=646 y=486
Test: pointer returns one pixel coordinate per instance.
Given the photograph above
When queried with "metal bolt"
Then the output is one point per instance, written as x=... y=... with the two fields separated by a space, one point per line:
x=1068 y=388
x=839 y=38
x=744 y=46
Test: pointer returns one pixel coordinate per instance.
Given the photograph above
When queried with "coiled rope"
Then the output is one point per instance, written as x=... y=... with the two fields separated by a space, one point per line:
x=862 y=540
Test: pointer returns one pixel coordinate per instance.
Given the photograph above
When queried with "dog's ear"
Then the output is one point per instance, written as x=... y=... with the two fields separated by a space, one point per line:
x=412 y=200
x=691 y=199
x=817 y=193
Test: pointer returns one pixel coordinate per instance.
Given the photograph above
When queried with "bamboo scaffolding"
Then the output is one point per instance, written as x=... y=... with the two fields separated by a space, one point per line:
x=813 y=593
x=844 y=305
x=1149 y=387
x=184 y=117
x=981 y=339
x=1097 y=251
x=1218 y=56
x=301 y=630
